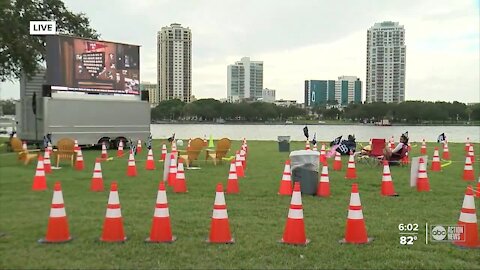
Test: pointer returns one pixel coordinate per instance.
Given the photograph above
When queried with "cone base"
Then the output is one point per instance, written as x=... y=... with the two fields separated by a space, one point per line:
x=148 y=240
x=281 y=241
x=369 y=240
x=391 y=195
x=113 y=241
x=44 y=241
x=232 y=241
x=467 y=247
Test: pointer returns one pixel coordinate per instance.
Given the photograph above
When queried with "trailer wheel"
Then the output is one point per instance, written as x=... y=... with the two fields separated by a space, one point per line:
x=107 y=142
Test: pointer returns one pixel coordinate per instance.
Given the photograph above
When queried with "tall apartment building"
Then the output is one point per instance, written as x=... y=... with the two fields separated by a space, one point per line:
x=153 y=93
x=386 y=52
x=345 y=90
x=244 y=80
x=174 y=55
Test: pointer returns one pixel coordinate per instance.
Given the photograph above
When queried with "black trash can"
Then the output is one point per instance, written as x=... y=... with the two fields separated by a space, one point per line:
x=305 y=164
x=284 y=143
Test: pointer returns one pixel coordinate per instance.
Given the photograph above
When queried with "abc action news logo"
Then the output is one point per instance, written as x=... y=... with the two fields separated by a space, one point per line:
x=43 y=28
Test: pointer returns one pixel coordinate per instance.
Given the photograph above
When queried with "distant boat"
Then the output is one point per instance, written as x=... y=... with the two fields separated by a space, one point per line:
x=288 y=122
x=384 y=122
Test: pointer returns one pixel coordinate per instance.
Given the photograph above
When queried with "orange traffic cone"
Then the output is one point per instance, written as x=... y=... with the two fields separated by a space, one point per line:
x=405 y=160
x=355 y=231
x=79 y=165
x=468 y=174
x=422 y=178
x=243 y=159
x=39 y=181
x=219 y=226
x=471 y=154
x=351 y=170
x=387 y=183
x=172 y=171
x=467 y=144
x=113 y=224
x=307 y=145
x=46 y=162
x=57 y=229
x=232 y=182
x=423 y=149
x=75 y=146
x=286 y=182
x=294 y=232
x=97 y=180
x=120 y=149
x=150 y=164
x=337 y=163
x=161 y=231
x=436 y=166
x=174 y=147
x=104 y=151
x=180 y=185
x=315 y=147
x=468 y=219
x=49 y=147
x=164 y=153
x=323 y=156
x=446 y=153
x=132 y=168
x=324 y=185
x=238 y=165
x=139 y=146
x=392 y=143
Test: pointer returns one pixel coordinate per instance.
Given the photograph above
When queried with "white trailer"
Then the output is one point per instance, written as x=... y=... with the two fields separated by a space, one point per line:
x=90 y=119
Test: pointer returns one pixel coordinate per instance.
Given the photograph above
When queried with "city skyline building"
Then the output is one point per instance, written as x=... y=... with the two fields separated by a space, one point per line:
x=386 y=55
x=345 y=90
x=244 y=80
x=268 y=95
x=153 y=93
x=174 y=62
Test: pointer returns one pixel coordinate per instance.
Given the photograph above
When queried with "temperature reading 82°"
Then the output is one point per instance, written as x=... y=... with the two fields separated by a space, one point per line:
x=408 y=233
x=408 y=240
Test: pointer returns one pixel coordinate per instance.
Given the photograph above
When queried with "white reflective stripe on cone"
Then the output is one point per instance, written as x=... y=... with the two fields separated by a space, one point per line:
x=296 y=198
x=219 y=214
x=286 y=177
x=468 y=217
x=355 y=199
x=161 y=197
x=180 y=175
x=468 y=202
x=422 y=175
x=57 y=212
x=40 y=165
x=219 y=198
x=351 y=165
x=98 y=167
x=468 y=168
x=232 y=167
x=287 y=169
x=113 y=213
x=113 y=198
x=355 y=214
x=386 y=169
x=387 y=178
x=40 y=173
x=97 y=174
x=295 y=213
x=324 y=179
x=161 y=212
x=131 y=163
x=57 y=197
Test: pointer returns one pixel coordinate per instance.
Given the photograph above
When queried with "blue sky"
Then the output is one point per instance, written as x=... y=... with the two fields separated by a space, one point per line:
x=300 y=40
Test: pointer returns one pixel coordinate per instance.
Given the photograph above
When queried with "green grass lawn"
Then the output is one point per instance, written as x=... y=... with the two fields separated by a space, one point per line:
x=257 y=217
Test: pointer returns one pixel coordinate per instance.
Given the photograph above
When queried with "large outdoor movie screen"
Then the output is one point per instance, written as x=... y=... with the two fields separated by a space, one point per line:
x=92 y=66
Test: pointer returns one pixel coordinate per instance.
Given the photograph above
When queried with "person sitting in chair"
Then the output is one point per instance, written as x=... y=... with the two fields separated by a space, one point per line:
x=400 y=150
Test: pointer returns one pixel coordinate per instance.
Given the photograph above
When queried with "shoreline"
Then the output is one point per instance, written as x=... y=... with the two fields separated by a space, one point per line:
x=309 y=124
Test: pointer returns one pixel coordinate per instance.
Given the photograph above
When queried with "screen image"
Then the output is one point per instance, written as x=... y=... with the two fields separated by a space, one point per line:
x=93 y=66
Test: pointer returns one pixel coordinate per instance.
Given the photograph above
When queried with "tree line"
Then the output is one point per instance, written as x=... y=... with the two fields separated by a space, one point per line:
x=406 y=112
